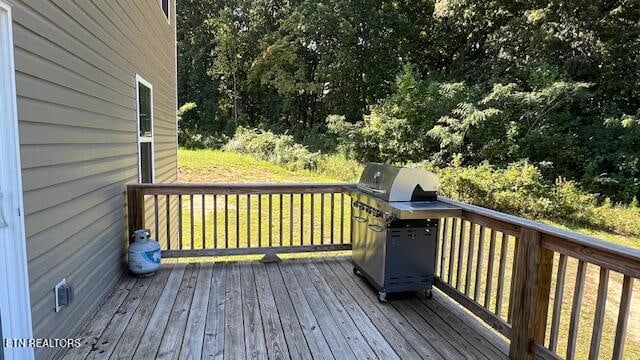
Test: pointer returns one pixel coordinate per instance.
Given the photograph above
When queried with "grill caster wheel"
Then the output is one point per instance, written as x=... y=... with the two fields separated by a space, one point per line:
x=356 y=271
x=428 y=293
x=382 y=297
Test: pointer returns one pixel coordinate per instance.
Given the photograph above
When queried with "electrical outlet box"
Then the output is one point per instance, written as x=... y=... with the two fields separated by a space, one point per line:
x=63 y=294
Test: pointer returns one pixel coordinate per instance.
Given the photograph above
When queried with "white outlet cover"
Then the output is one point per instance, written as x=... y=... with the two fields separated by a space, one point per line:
x=55 y=293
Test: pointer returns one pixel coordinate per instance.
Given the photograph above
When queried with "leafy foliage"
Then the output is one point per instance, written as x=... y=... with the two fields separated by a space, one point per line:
x=554 y=83
x=279 y=149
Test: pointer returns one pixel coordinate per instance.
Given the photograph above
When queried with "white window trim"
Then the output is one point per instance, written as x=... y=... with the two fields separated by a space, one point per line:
x=168 y=16
x=145 y=139
x=14 y=293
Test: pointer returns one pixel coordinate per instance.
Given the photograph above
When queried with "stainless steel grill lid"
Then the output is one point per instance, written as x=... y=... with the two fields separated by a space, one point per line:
x=392 y=183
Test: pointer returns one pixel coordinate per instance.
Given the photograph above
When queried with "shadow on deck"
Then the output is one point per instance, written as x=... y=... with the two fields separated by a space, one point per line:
x=299 y=309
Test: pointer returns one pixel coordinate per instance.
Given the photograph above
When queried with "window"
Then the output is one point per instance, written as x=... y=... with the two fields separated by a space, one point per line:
x=165 y=7
x=144 y=113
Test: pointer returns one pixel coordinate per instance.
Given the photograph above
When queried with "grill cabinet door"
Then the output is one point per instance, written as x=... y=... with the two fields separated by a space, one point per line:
x=411 y=258
x=376 y=249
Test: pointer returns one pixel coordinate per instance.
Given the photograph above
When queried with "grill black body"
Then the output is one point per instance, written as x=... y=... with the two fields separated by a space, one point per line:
x=394 y=242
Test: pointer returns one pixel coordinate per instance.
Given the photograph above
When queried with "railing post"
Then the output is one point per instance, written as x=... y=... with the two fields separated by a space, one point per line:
x=532 y=281
x=135 y=209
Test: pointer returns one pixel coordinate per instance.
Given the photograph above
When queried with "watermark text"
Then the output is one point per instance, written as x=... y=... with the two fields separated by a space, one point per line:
x=41 y=343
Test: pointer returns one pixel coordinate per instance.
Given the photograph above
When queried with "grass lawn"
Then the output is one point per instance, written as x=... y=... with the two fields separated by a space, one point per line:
x=218 y=166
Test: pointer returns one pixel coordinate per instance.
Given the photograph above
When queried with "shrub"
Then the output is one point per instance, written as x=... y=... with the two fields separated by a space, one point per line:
x=520 y=189
x=517 y=189
x=278 y=149
x=340 y=167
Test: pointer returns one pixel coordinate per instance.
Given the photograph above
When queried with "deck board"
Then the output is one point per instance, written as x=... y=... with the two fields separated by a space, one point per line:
x=422 y=345
x=138 y=323
x=254 y=336
x=111 y=335
x=234 y=341
x=273 y=332
x=374 y=310
x=297 y=309
x=330 y=329
x=194 y=333
x=361 y=321
x=213 y=346
x=304 y=335
x=174 y=333
x=150 y=340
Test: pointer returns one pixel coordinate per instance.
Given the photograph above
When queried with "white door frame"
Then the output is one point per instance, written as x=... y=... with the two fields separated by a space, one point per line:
x=15 y=303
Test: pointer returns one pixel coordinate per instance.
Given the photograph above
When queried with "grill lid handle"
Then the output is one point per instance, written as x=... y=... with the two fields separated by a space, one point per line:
x=370 y=189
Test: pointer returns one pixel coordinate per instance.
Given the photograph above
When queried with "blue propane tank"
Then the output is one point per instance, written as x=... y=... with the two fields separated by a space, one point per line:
x=144 y=253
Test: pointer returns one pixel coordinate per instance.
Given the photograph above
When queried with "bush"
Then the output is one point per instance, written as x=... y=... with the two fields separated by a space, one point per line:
x=520 y=189
x=340 y=167
x=278 y=149
x=517 y=189
x=191 y=139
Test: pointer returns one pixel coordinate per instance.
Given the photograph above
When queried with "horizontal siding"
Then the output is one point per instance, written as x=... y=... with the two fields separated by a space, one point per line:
x=75 y=76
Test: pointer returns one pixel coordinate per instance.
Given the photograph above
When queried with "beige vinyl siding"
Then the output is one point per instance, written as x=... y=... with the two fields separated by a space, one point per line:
x=75 y=75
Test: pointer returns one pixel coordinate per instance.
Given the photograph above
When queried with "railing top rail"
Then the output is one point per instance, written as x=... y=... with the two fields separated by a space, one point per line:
x=239 y=188
x=590 y=242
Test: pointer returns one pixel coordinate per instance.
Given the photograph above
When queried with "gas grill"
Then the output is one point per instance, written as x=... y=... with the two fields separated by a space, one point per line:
x=395 y=215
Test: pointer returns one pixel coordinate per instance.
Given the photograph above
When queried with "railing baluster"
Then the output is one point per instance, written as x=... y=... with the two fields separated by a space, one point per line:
x=460 y=249
x=476 y=291
x=443 y=247
x=511 y=288
x=301 y=219
x=180 y=245
x=215 y=221
x=281 y=234
x=191 y=215
x=492 y=254
x=312 y=216
x=452 y=250
x=204 y=222
x=342 y=218
x=290 y=219
x=248 y=220
x=557 y=303
x=237 y=221
x=168 y=215
x=321 y=218
x=574 y=323
x=501 y=273
x=472 y=240
x=332 y=216
x=623 y=318
x=259 y=220
x=156 y=217
x=270 y=222
x=226 y=221
x=598 y=320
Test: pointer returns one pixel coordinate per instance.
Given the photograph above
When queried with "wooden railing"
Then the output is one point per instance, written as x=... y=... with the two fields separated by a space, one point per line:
x=193 y=220
x=515 y=274
x=503 y=269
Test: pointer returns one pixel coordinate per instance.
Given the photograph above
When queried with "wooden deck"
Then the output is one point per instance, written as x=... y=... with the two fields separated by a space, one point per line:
x=299 y=309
